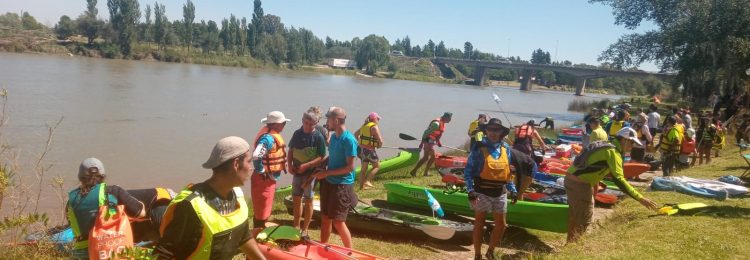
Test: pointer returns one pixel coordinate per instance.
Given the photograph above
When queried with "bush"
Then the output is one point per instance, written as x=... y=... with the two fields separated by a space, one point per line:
x=110 y=51
x=392 y=67
x=581 y=105
x=168 y=56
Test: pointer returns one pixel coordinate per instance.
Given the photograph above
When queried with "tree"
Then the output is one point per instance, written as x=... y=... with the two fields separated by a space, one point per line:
x=329 y=42
x=429 y=49
x=188 y=15
x=161 y=25
x=146 y=26
x=124 y=16
x=339 y=52
x=468 y=50
x=88 y=24
x=538 y=56
x=65 y=27
x=28 y=22
x=416 y=51
x=314 y=46
x=407 y=46
x=256 y=34
x=295 y=48
x=210 y=39
x=440 y=50
x=373 y=53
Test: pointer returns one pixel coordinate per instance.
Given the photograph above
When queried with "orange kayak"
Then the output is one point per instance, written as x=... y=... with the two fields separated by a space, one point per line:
x=633 y=169
x=303 y=250
x=445 y=161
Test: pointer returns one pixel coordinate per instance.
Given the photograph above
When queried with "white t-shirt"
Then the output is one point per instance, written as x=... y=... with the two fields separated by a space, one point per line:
x=653 y=120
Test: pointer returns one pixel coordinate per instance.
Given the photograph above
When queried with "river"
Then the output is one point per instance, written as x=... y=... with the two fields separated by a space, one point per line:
x=154 y=123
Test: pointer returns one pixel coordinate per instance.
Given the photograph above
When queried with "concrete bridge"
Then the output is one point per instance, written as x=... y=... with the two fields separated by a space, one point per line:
x=581 y=74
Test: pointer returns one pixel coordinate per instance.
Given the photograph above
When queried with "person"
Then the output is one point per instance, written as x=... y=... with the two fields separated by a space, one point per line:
x=475 y=129
x=669 y=146
x=525 y=134
x=598 y=160
x=307 y=148
x=739 y=133
x=713 y=100
x=269 y=160
x=653 y=120
x=687 y=119
x=705 y=138
x=370 y=140
x=687 y=149
x=155 y=201
x=209 y=220
x=585 y=138
x=618 y=122
x=644 y=135
x=336 y=182
x=487 y=172
x=84 y=201
x=597 y=132
x=720 y=139
x=430 y=139
x=605 y=116
x=548 y=123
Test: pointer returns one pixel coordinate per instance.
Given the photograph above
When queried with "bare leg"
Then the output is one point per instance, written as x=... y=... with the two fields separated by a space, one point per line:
x=373 y=172
x=429 y=162
x=363 y=174
x=478 y=230
x=297 y=210
x=497 y=231
x=419 y=164
x=343 y=231
x=325 y=229
x=308 y=213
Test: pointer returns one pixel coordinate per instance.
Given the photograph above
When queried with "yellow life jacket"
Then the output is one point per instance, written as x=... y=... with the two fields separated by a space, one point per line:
x=615 y=127
x=366 y=137
x=495 y=172
x=275 y=159
x=670 y=147
x=473 y=126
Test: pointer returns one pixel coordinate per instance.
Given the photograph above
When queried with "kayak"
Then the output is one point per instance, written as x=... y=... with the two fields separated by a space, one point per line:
x=445 y=161
x=404 y=158
x=633 y=169
x=371 y=219
x=541 y=216
x=284 y=242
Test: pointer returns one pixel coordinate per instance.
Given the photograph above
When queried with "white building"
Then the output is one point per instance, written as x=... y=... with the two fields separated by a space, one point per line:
x=342 y=63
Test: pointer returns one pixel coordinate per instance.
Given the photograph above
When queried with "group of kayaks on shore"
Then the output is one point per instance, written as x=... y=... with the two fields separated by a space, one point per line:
x=211 y=219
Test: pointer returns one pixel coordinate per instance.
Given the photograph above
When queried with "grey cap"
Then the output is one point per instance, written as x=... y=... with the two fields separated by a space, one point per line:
x=89 y=163
x=226 y=148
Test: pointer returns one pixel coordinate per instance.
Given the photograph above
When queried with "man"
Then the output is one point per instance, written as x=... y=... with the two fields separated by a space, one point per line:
x=269 y=159
x=431 y=138
x=548 y=123
x=669 y=146
x=336 y=183
x=475 y=129
x=687 y=119
x=597 y=132
x=598 y=160
x=618 y=122
x=213 y=212
x=307 y=148
x=487 y=173
x=370 y=139
x=653 y=119
x=525 y=134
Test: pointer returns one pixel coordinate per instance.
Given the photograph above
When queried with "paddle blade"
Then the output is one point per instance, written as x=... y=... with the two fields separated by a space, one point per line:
x=438 y=232
x=406 y=137
x=434 y=205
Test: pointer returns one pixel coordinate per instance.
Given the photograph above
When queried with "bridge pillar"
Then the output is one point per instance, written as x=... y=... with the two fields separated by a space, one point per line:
x=479 y=75
x=526 y=82
x=580 y=86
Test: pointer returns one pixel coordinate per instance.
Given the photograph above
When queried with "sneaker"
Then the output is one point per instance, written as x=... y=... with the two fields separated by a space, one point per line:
x=490 y=255
x=303 y=233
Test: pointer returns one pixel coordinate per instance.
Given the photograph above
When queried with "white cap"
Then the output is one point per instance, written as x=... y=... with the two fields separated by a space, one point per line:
x=690 y=132
x=629 y=133
x=274 y=117
x=226 y=149
x=89 y=163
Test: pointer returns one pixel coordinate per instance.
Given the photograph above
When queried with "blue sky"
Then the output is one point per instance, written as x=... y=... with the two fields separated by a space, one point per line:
x=578 y=30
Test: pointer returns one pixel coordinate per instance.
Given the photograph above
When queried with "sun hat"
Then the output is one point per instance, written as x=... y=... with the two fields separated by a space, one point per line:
x=629 y=133
x=497 y=122
x=89 y=163
x=226 y=148
x=374 y=115
x=274 y=117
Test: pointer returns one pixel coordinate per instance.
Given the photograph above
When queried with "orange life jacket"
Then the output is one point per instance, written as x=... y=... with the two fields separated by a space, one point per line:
x=688 y=146
x=437 y=133
x=525 y=131
x=275 y=159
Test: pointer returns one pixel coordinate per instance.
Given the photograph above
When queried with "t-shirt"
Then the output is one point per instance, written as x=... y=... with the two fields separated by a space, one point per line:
x=653 y=120
x=339 y=150
x=306 y=147
x=598 y=134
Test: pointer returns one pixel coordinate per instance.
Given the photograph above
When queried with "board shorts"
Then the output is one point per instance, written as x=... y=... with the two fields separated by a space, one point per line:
x=336 y=200
x=580 y=204
x=367 y=155
x=297 y=190
x=262 y=191
x=428 y=145
x=491 y=205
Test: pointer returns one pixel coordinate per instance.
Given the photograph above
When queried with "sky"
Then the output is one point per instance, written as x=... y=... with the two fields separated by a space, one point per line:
x=572 y=30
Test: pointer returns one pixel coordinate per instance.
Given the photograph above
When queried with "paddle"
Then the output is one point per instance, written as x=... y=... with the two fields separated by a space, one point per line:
x=411 y=138
x=434 y=231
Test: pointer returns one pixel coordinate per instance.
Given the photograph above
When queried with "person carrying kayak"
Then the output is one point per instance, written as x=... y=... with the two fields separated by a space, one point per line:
x=598 y=160
x=269 y=159
x=488 y=171
x=307 y=148
x=525 y=134
x=430 y=139
x=84 y=201
x=370 y=139
x=336 y=182
x=669 y=146
x=548 y=123
x=476 y=129
x=209 y=220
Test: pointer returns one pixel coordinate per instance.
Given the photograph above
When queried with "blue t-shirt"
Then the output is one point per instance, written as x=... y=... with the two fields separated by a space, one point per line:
x=339 y=150
x=268 y=142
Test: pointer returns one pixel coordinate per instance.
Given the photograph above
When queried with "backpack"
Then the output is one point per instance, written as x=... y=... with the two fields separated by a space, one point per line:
x=581 y=162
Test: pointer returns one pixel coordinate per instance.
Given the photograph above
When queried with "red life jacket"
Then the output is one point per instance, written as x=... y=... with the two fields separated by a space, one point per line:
x=525 y=131
x=688 y=146
x=437 y=133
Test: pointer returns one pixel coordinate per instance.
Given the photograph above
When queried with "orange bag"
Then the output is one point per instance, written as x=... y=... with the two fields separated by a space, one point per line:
x=111 y=235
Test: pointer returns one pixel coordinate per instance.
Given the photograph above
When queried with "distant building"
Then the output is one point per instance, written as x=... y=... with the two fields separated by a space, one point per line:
x=342 y=63
x=397 y=53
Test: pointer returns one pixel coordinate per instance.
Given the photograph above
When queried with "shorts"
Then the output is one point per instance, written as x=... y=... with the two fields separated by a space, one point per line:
x=489 y=204
x=262 y=191
x=298 y=191
x=580 y=204
x=429 y=145
x=336 y=200
x=367 y=155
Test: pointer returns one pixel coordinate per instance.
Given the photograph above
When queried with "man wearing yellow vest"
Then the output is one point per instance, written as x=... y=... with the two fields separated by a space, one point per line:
x=369 y=139
x=476 y=129
x=669 y=145
x=269 y=159
x=620 y=121
x=209 y=220
x=487 y=172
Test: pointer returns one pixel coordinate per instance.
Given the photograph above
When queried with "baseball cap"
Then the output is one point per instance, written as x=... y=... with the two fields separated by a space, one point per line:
x=374 y=115
x=274 y=117
x=89 y=163
x=629 y=133
x=226 y=148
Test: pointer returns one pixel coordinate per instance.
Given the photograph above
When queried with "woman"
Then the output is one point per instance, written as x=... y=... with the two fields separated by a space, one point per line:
x=369 y=140
x=84 y=202
x=638 y=152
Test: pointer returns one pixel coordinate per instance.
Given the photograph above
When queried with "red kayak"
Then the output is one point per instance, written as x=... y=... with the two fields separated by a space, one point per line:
x=445 y=161
x=633 y=169
x=304 y=250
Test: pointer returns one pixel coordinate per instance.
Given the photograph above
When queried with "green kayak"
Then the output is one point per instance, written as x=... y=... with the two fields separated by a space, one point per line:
x=404 y=158
x=534 y=215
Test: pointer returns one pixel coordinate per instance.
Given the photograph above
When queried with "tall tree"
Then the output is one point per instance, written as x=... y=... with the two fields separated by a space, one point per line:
x=441 y=50
x=65 y=27
x=429 y=49
x=256 y=34
x=124 y=16
x=188 y=15
x=373 y=53
x=406 y=42
x=28 y=22
x=88 y=24
x=146 y=26
x=329 y=42
x=468 y=50
x=161 y=25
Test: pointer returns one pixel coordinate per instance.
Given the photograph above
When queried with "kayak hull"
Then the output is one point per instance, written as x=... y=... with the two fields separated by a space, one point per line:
x=541 y=216
x=632 y=169
x=404 y=158
x=303 y=250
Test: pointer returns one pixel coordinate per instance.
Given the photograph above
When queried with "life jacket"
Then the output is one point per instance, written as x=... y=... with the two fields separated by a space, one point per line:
x=581 y=162
x=706 y=136
x=523 y=132
x=615 y=127
x=275 y=159
x=437 y=133
x=366 y=138
x=605 y=119
x=687 y=146
x=473 y=127
x=669 y=147
x=495 y=173
x=82 y=211
x=221 y=234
